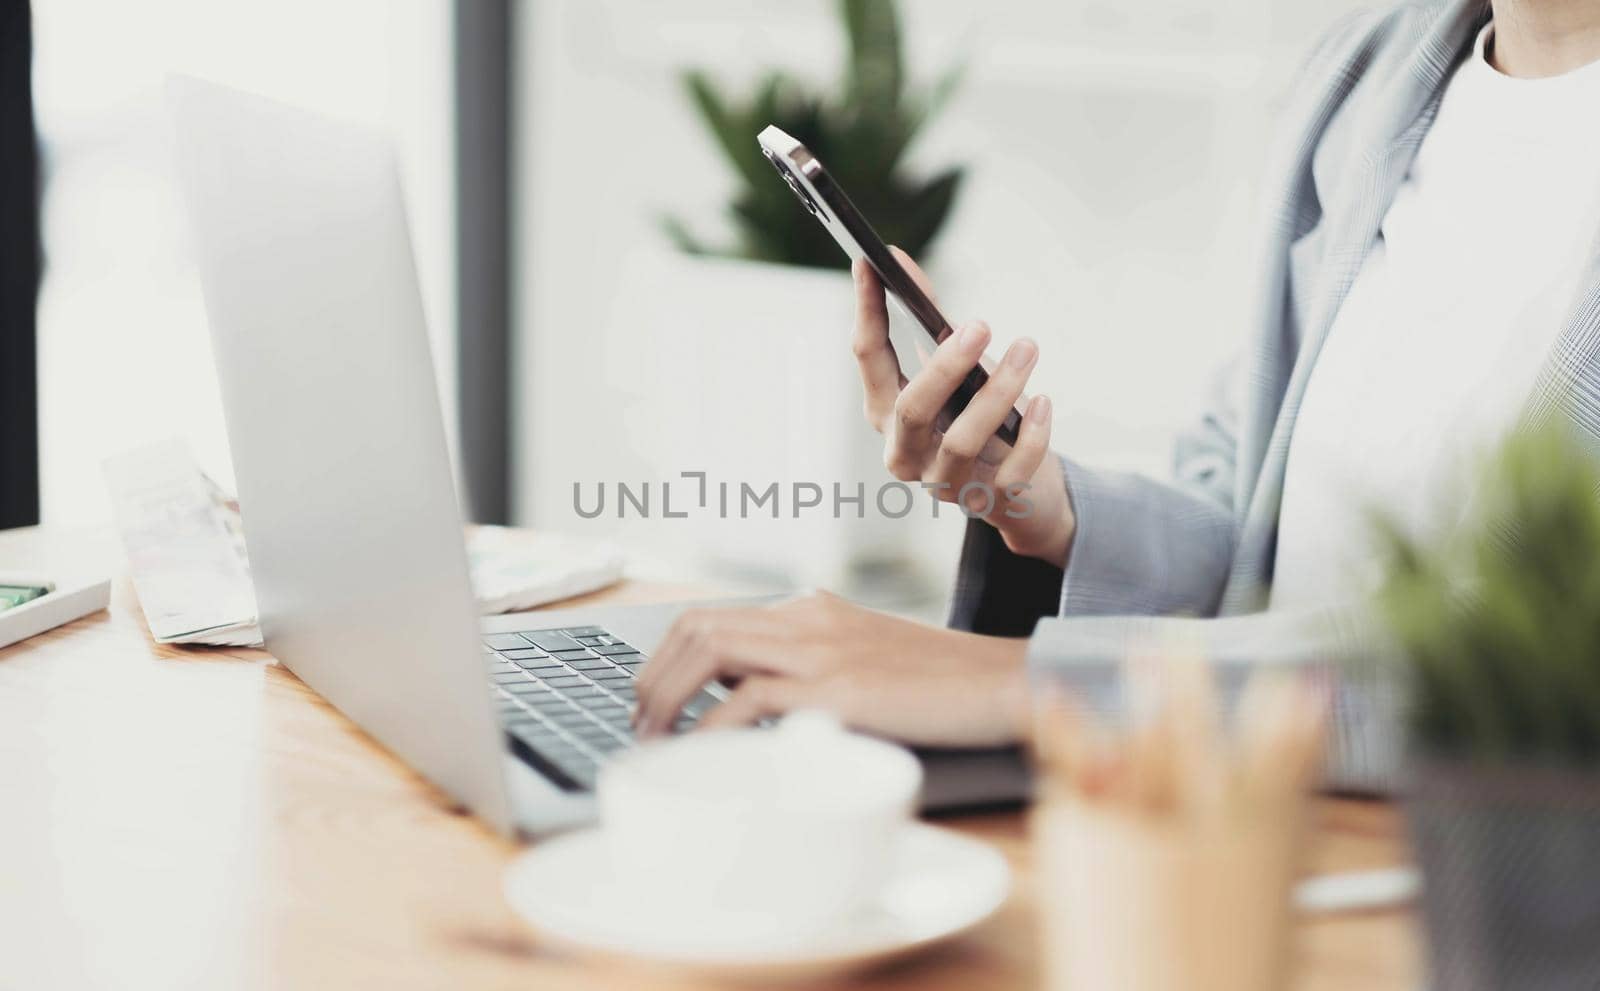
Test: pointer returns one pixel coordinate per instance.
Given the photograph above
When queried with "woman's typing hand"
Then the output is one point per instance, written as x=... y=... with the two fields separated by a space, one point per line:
x=880 y=674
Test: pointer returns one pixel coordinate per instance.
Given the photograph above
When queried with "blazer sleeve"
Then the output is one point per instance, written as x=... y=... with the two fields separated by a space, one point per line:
x=1345 y=643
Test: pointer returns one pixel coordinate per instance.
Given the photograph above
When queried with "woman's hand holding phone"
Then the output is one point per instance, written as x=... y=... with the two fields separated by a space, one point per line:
x=1018 y=490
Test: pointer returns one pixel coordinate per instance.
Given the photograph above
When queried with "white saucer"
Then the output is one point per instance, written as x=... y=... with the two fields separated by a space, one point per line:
x=941 y=883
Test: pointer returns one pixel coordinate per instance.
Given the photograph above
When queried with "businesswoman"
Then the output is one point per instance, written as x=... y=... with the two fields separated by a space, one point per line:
x=1431 y=276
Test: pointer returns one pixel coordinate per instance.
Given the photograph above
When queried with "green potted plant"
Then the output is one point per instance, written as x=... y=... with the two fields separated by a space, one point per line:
x=861 y=131
x=766 y=307
x=1499 y=628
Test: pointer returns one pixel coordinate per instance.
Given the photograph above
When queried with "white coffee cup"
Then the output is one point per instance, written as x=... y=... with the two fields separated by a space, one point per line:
x=769 y=835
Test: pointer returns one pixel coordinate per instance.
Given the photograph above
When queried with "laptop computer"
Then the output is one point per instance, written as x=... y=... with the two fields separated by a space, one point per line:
x=348 y=499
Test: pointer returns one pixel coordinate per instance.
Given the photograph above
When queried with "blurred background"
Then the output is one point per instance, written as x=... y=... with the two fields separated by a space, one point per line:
x=556 y=165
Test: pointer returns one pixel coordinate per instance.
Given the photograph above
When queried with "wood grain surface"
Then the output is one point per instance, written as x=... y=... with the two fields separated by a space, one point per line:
x=177 y=818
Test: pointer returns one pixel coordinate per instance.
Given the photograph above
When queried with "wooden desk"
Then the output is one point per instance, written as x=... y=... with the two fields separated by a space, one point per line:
x=198 y=818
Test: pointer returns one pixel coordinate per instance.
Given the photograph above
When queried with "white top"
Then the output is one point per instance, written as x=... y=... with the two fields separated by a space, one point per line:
x=1438 y=344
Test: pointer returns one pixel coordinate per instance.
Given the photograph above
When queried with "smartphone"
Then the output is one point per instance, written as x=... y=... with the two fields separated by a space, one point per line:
x=826 y=201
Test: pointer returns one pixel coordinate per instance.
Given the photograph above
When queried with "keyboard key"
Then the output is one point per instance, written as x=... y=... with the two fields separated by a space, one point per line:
x=702 y=702
x=584 y=774
x=632 y=662
x=505 y=641
x=585 y=631
x=544 y=668
x=562 y=747
x=572 y=745
x=524 y=654
x=571 y=655
x=551 y=640
x=541 y=744
x=567 y=757
x=611 y=674
x=590 y=641
x=509 y=679
x=567 y=681
x=589 y=664
x=527 y=688
x=616 y=648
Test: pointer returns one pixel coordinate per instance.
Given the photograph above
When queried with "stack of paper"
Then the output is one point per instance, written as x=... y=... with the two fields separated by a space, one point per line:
x=185 y=542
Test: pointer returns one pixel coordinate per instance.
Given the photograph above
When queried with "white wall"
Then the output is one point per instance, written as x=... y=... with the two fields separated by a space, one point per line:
x=1112 y=153
x=124 y=356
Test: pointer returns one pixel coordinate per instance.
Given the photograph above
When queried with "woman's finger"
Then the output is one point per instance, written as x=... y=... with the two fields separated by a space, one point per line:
x=721 y=653
x=966 y=437
x=880 y=371
x=677 y=649
x=1033 y=444
x=757 y=698
x=917 y=408
x=699 y=623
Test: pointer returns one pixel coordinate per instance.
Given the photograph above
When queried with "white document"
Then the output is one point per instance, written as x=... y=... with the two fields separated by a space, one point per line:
x=189 y=568
x=185 y=542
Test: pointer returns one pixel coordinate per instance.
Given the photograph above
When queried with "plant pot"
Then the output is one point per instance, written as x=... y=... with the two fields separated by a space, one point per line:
x=743 y=370
x=1511 y=865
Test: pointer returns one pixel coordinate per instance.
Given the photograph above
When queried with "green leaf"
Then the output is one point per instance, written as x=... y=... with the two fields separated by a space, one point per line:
x=860 y=131
x=942 y=91
x=874 y=73
x=679 y=234
x=731 y=129
x=925 y=211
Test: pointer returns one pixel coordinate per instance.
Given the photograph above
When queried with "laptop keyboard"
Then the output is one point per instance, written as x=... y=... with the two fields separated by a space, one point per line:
x=566 y=698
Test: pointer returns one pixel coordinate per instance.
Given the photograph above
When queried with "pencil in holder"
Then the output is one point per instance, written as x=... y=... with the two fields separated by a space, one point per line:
x=1168 y=851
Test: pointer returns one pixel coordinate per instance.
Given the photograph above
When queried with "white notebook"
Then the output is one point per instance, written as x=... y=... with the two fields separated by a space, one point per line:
x=185 y=544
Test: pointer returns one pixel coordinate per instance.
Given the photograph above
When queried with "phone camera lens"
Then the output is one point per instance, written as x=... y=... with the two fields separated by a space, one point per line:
x=794 y=186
